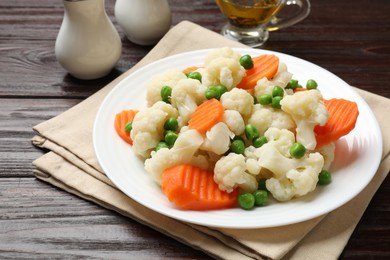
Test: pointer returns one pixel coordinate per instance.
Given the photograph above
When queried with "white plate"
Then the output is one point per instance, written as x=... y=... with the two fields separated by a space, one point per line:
x=357 y=154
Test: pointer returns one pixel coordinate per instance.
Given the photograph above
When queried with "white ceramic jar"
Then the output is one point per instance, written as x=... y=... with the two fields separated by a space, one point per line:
x=143 y=21
x=88 y=45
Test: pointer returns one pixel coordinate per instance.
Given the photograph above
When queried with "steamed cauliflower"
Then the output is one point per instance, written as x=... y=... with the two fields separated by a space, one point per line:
x=328 y=152
x=234 y=121
x=230 y=172
x=281 y=79
x=167 y=78
x=298 y=181
x=187 y=94
x=224 y=52
x=239 y=100
x=264 y=117
x=308 y=110
x=291 y=177
x=222 y=67
x=217 y=139
x=148 y=127
x=183 y=151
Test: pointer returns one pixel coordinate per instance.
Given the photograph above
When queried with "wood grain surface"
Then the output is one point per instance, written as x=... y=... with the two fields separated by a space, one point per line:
x=350 y=38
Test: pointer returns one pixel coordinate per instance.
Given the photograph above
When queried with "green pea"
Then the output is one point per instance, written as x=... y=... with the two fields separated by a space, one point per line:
x=237 y=146
x=262 y=185
x=276 y=102
x=265 y=99
x=161 y=145
x=259 y=141
x=194 y=75
x=166 y=92
x=297 y=150
x=222 y=89
x=251 y=132
x=170 y=138
x=246 y=200
x=246 y=61
x=211 y=92
x=311 y=84
x=215 y=92
x=324 y=178
x=292 y=84
x=171 y=124
x=129 y=127
x=261 y=197
x=277 y=91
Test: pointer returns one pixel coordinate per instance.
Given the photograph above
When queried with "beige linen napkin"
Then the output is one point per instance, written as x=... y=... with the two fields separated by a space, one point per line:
x=71 y=165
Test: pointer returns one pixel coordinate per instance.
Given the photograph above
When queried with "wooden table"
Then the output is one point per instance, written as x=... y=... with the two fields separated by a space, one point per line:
x=350 y=38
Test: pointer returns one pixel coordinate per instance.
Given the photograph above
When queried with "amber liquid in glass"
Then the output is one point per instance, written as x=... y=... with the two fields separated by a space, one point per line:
x=249 y=14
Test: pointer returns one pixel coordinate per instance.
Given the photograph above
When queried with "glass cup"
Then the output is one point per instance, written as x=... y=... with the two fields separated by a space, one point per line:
x=251 y=20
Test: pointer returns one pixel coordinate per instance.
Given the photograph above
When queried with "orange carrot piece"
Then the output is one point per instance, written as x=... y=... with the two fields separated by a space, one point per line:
x=206 y=115
x=192 y=68
x=121 y=119
x=265 y=65
x=192 y=188
x=300 y=89
x=343 y=115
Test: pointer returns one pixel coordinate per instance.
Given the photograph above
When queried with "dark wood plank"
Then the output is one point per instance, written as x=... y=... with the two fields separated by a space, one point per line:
x=349 y=44
x=370 y=239
x=17 y=117
x=42 y=221
x=350 y=38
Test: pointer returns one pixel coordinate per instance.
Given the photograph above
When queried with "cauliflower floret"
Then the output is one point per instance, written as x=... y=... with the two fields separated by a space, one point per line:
x=307 y=110
x=291 y=177
x=281 y=79
x=217 y=139
x=183 y=151
x=263 y=86
x=239 y=100
x=252 y=166
x=230 y=172
x=223 y=68
x=250 y=152
x=264 y=117
x=148 y=126
x=167 y=78
x=272 y=159
x=187 y=94
x=234 y=121
x=282 y=139
x=305 y=176
x=327 y=152
x=297 y=182
x=222 y=52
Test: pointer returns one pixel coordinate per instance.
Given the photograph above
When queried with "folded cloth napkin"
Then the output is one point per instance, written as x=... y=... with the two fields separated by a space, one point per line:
x=71 y=164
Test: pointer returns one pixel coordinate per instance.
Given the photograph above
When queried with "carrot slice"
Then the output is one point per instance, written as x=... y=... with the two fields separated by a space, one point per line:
x=206 y=115
x=192 y=68
x=192 y=188
x=343 y=115
x=265 y=65
x=300 y=89
x=121 y=119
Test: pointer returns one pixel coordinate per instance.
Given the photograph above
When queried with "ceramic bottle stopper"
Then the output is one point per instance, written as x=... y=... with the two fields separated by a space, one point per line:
x=143 y=21
x=88 y=45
